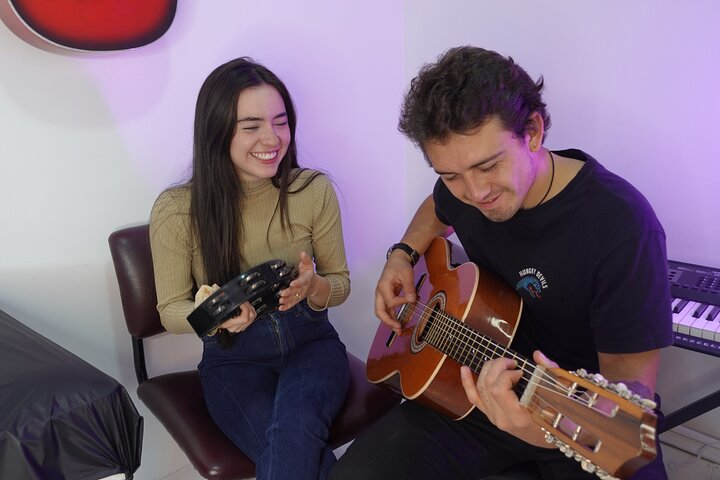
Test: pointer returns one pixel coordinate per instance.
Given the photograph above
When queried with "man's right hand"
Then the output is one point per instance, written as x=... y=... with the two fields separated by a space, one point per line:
x=396 y=277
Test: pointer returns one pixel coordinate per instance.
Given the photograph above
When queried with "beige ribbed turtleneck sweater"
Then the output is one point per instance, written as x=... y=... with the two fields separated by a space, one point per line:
x=316 y=229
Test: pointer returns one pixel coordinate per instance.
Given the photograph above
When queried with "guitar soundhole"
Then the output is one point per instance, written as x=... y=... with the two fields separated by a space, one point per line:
x=429 y=329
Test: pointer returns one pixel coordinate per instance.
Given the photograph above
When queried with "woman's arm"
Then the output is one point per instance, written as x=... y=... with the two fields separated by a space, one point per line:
x=172 y=260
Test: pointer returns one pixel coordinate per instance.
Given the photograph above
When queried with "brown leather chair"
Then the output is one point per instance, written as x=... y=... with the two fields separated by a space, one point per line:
x=176 y=399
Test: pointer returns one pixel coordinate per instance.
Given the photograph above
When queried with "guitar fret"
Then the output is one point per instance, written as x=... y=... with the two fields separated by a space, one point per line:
x=457 y=344
x=471 y=350
x=468 y=347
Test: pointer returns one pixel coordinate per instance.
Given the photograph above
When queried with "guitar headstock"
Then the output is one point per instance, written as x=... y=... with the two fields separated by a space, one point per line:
x=610 y=430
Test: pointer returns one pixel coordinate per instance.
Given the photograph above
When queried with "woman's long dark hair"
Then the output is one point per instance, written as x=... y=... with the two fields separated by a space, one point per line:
x=216 y=198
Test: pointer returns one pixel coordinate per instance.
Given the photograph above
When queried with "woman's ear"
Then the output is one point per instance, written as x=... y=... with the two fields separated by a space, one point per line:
x=535 y=131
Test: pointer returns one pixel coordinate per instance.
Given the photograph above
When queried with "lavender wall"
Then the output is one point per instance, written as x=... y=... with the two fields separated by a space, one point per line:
x=87 y=143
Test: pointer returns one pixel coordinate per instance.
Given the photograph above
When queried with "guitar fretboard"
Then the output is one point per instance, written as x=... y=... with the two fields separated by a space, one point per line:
x=468 y=346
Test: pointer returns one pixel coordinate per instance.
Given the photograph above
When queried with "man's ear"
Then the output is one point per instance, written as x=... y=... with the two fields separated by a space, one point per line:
x=535 y=131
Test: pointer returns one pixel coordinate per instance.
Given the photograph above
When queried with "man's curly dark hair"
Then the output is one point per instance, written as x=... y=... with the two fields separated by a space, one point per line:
x=463 y=90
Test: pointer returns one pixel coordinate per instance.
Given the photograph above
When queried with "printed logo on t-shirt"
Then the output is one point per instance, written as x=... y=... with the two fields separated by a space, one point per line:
x=531 y=281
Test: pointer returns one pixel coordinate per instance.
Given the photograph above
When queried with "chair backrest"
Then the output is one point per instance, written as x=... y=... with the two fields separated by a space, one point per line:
x=132 y=258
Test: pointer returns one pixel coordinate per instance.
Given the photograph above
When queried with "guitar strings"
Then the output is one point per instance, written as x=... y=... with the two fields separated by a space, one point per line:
x=458 y=340
x=463 y=338
x=481 y=343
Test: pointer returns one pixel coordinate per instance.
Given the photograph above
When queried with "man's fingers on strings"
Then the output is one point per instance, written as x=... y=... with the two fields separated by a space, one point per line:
x=469 y=385
x=541 y=359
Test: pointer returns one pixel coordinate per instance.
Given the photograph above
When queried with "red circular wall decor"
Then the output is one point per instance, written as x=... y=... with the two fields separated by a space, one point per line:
x=88 y=25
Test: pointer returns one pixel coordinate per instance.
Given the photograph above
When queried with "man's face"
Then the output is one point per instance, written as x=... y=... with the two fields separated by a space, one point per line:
x=489 y=168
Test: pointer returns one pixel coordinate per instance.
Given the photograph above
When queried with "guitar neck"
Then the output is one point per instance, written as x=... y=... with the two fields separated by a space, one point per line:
x=469 y=347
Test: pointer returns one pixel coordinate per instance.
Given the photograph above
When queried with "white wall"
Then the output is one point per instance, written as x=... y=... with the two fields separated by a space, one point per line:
x=632 y=83
x=87 y=143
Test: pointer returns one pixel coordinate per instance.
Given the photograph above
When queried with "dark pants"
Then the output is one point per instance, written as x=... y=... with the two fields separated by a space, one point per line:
x=414 y=442
x=276 y=390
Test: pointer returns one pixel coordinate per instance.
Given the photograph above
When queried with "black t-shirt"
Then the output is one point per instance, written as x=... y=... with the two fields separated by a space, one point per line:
x=590 y=265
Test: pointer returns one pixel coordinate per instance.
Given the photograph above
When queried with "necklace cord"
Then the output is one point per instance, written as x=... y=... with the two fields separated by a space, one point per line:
x=552 y=179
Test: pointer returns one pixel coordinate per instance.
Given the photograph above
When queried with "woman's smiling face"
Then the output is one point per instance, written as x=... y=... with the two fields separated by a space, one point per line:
x=262 y=134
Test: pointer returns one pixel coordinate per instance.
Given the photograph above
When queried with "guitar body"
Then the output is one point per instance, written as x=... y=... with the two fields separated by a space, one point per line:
x=408 y=364
x=82 y=25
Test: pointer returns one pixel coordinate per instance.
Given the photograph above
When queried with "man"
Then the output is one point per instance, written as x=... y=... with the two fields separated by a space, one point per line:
x=580 y=245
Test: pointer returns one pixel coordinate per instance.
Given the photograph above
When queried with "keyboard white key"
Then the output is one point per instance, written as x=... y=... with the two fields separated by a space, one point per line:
x=676 y=317
x=703 y=328
x=684 y=317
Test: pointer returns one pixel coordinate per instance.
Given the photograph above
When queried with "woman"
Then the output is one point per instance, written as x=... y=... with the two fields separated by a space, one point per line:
x=272 y=383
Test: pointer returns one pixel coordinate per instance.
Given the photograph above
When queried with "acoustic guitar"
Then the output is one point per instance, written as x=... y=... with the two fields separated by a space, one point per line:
x=467 y=316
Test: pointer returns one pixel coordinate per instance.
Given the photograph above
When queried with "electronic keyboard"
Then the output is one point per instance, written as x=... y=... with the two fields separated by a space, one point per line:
x=695 y=292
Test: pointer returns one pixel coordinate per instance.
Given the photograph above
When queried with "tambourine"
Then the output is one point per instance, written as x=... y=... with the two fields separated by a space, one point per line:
x=260 y=286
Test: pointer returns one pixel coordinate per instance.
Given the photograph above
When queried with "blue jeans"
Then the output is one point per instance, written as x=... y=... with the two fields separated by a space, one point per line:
x=275 y=392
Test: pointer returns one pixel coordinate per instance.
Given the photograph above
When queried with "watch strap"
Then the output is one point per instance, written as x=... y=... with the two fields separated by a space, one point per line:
x=411 y=252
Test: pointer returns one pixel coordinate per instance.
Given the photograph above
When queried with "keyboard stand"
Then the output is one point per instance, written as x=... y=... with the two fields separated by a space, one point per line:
x=698 y=407
x=694 y=409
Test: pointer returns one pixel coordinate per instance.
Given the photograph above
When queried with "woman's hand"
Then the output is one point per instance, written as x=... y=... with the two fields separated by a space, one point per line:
x=241 y=322
x=304 y=286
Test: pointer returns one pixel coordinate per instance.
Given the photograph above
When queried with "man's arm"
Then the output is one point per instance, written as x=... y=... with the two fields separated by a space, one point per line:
x=636 y=370
x=397 y=276
x=424 y=227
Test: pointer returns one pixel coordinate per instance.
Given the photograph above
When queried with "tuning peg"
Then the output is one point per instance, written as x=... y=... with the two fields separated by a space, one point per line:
x=588 y=466
x=621 y=389
x=647 y=403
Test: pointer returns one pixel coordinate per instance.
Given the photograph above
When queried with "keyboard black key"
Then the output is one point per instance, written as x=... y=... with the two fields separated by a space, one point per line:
x=680 y=305
x=700 y=309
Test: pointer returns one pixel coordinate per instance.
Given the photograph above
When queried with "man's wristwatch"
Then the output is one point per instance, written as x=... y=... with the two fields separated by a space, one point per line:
x=411 y=252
